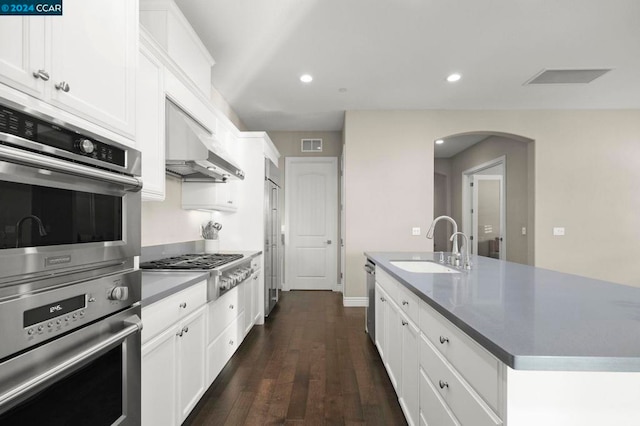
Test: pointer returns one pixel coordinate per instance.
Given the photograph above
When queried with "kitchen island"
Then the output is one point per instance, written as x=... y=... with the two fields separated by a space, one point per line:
x=525 y=344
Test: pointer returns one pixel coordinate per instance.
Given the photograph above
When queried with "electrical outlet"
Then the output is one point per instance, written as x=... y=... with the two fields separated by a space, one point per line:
x=415 y=230
x=558 y=231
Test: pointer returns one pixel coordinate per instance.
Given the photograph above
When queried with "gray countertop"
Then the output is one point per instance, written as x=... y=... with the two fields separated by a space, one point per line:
x=532 y=318
x=157 y=285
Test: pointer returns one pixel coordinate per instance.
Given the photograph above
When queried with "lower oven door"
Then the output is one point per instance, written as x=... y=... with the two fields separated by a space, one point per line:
x=88 y=377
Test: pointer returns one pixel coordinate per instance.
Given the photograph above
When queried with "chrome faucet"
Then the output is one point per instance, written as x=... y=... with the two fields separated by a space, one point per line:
x=41 y=229
x=466 y=260
x=455 y=252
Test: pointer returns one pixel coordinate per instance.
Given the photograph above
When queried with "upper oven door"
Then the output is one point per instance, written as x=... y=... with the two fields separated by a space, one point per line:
x=57 y=215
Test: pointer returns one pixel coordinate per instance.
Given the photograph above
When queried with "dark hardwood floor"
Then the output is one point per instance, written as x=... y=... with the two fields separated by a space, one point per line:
x=310 y=364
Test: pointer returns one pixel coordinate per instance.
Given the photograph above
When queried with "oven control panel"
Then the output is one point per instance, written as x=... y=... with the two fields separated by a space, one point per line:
x=25 y=126
x=46 y=314
x=54 y=316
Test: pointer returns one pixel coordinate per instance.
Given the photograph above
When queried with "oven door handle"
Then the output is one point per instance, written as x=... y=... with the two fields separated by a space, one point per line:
x=134 y=325
x=32 y=159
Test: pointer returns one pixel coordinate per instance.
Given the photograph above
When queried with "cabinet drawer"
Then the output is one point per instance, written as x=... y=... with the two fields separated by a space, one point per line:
x=466 y=406
x=169 y=311
x=223 y=348
x=433 y=410
x=223 y=311
x=388 y=284
x=474 y=363
x=409 y=303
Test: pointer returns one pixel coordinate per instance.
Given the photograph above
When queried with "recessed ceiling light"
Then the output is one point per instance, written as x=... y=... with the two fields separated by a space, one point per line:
x=306 y=78
x=439 y=142
x=453 y=77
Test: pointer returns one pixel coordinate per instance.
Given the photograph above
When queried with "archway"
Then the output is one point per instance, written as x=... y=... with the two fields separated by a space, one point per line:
x=459 y=161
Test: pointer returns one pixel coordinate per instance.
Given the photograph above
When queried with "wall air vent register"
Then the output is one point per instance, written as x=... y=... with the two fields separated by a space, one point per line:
x=311 y=145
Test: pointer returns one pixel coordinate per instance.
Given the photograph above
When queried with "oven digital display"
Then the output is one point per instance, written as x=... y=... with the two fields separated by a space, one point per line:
x=54 y=137
x=52 y=310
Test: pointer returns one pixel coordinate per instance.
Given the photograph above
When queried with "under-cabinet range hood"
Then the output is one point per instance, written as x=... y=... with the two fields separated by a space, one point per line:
x=191 y=153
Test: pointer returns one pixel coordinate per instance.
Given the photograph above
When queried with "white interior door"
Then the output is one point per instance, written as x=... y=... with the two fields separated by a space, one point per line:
x=311 y=198
x=488 y=216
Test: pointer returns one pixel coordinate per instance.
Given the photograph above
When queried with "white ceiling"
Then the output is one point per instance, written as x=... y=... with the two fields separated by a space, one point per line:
x=396 y=54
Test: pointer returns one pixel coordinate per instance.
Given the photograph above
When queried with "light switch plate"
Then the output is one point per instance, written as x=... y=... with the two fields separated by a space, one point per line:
x=558 y=231
x=415 y=230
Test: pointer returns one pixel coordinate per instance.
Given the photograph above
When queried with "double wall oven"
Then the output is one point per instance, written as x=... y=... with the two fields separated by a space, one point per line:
x=69 y=294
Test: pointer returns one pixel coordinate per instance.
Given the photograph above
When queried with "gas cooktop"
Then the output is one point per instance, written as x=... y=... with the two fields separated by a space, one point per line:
x=192 y=261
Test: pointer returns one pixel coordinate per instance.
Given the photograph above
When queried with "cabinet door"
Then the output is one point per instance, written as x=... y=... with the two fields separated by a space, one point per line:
x=409 y=396
x=258 y=287
x=433 y=410
x=22 y=53
x=381 y=330
x=248 y=303
x=94 y=48
x=191 y=361
x=394 y=344
x=150 y=124
x=159 y=382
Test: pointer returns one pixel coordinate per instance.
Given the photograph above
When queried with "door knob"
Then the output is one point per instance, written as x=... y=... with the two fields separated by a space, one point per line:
x=328 y=241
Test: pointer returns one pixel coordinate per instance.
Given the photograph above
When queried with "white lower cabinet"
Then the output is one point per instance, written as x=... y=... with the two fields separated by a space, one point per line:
x=393 y=360
x=220 y=351
x=191 y=336
x=433 y=410
x=173 y=364
x=381 y=332
x=227 y=327
x=441 y=376
x=159 y=380
x=410 y=385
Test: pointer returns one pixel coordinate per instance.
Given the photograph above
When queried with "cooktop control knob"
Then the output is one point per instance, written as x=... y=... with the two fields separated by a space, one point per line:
x=85 y=145
x=224 y=284
x=118 y=293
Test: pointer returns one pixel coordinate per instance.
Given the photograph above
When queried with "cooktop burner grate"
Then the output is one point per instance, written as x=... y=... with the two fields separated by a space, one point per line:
x=192 y=261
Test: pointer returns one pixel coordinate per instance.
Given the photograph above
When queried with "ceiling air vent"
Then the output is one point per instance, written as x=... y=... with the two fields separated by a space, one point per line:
x=567 y=76
x=311 y=145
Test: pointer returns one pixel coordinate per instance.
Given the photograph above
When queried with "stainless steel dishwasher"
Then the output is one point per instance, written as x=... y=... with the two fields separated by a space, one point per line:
x=370 y=315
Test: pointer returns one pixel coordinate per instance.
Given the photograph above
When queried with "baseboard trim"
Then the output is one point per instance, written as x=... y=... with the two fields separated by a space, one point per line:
x=350 y=302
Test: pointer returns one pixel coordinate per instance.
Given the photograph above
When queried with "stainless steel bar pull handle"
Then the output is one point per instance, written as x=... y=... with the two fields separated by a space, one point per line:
x=41 y=379
x=49 y=163
x=444 y=340
x=183 y=305
x=42 y=74
x=63 y=85
x=443 y=384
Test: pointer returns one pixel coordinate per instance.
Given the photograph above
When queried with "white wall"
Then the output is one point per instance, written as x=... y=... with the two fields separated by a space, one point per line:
x=165 y=222
x=586 y=179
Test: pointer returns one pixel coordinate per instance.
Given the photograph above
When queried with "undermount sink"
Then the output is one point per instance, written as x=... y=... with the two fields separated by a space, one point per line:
x=423 y=266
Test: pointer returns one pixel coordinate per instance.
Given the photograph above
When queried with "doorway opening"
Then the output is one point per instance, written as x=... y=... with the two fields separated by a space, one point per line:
x=485 y=181
x=483 y=208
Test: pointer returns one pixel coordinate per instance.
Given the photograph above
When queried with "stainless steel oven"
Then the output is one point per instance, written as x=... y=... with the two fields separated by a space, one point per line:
x=69 y=199
x=69 y=294
x=71 y=354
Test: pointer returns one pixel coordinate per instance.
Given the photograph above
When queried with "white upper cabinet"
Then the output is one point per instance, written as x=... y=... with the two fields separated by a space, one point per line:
x=22 y=53
x=171 y=30
x=83 y=62
x=150 y=124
